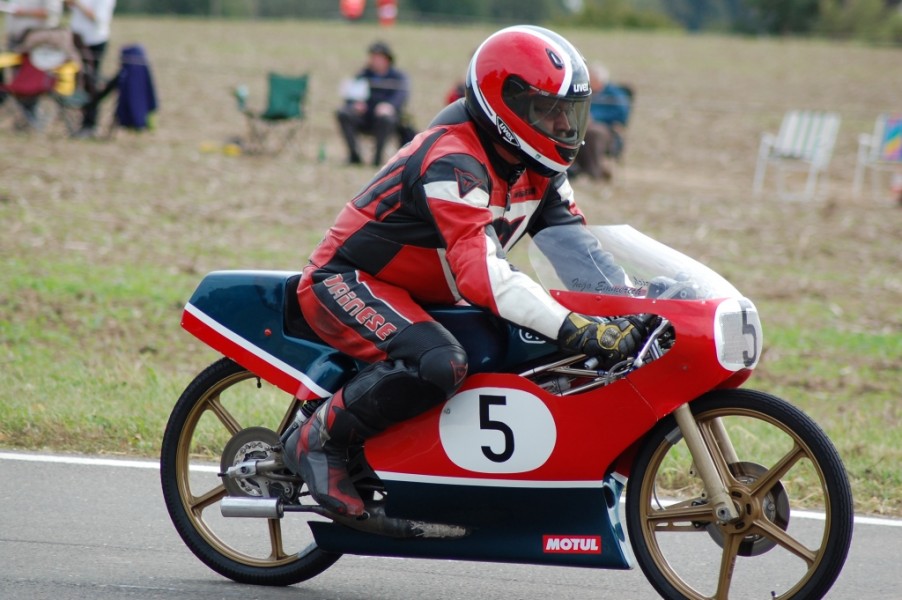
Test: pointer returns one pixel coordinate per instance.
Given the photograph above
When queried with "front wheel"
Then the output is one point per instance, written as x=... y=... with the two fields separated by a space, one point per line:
x=225 y=416
x=785 y=478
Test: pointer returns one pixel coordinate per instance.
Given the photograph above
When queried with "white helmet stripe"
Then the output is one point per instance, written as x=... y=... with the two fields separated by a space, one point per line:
x=563 y=53
x=538 y=156
x=477 y=92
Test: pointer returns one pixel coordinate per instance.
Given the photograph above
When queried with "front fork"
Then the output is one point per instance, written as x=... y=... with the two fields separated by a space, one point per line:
x=724 y=508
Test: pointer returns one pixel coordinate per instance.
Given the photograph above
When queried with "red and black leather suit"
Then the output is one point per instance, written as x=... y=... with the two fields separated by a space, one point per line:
x=432 y=227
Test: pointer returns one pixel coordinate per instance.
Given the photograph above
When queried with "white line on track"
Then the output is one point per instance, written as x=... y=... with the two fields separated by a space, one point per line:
x=152 y=464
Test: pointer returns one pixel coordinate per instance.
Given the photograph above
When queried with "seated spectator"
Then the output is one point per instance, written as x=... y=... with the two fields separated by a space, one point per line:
x=605 y=137
x=24 y=16
x=59 y=39
x=374 y=103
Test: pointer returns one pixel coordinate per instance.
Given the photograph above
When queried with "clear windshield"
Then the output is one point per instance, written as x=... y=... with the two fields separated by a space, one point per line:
x=618 y=260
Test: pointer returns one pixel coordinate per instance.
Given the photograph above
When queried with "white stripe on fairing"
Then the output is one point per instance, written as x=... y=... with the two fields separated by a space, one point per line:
x=479 y=482
x=256 y=350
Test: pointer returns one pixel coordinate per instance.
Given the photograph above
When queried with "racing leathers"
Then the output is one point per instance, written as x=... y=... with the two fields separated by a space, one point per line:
x=436 y=222
x=432 y=227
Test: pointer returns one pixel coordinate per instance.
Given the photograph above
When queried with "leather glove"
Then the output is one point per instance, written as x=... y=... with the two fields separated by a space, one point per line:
x=610 y=340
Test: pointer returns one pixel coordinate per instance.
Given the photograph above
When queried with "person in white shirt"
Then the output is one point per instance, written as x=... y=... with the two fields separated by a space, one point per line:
x=25 y=15
x=90 y=23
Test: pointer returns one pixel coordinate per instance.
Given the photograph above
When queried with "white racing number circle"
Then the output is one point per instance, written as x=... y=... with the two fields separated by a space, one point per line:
x=497 y=430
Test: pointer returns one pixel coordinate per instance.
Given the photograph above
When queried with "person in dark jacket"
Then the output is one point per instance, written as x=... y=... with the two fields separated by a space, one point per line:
x=605 y=136
x=374 y=103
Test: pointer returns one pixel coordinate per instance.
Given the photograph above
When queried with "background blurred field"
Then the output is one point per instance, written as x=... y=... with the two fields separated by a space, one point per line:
x=103 y=241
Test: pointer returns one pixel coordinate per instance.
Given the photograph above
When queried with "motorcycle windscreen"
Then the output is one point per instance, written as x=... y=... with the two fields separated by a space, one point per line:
x=619 y=260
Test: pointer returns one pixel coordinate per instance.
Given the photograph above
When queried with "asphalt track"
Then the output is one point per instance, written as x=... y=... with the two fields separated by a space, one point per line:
x=78 y=528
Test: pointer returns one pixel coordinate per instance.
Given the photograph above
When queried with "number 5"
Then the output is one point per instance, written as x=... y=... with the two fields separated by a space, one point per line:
x=485 y=402
x=749 y=329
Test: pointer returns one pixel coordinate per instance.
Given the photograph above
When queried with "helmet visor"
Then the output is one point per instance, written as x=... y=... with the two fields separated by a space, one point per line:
x=562 y=119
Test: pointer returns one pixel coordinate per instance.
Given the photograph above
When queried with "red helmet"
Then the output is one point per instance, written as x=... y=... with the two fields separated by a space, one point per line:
x=529 y=88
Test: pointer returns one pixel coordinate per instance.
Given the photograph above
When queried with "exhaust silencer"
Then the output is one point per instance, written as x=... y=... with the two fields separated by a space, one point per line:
x=257 y=508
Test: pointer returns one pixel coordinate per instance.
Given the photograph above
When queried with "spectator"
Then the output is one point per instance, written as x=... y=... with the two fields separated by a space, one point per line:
x=91 y=25
x=24 y=16
x=610 y=111
x=374 y=103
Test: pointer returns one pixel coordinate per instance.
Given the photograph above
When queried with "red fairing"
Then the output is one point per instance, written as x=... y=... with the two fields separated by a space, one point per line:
x=582 y=427
x=600 y=424
x=691 y=366
x=241 y=352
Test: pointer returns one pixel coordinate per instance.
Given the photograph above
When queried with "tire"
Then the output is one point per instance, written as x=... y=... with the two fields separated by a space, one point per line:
x=773 y=551
x=224 y=404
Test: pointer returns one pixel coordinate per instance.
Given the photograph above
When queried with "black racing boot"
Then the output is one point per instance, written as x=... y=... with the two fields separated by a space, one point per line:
x=381 y=395
x=321 y=461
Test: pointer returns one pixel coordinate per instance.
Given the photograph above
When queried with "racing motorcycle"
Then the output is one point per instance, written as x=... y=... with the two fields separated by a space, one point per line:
x=542 y=457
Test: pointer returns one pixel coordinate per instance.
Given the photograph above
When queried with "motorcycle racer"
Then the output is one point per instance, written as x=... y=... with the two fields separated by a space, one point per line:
x=433 y=227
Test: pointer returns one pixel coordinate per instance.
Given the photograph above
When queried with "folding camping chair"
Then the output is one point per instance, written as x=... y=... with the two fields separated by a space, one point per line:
x=880 y=152
x=271 y=130
x=42 y=90
x=804 y=143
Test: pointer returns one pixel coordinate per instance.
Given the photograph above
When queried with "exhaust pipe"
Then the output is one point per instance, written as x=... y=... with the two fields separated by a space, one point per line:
x=264 y=508
x=257 y=508
x=375 y=521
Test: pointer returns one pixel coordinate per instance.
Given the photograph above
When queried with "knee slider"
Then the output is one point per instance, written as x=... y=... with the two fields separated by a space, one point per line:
x=444 y=367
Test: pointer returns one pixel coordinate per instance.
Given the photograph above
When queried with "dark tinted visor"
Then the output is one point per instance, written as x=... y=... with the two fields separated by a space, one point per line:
x=560 y=118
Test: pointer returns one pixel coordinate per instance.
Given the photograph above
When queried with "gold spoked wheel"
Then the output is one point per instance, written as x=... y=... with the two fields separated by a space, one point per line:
x=227 y=416
x=784 y=477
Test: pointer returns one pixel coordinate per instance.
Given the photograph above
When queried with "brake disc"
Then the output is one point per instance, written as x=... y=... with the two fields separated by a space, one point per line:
x=250 y=446
x=775 y=508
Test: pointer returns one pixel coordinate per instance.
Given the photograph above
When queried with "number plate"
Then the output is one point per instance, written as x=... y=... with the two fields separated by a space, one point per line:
x=737 y=334
x=497 y=430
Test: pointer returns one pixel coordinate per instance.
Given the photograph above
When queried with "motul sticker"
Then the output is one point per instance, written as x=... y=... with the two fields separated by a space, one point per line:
x=571 y=544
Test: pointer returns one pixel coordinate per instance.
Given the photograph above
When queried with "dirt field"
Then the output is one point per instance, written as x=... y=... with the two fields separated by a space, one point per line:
x=826 y=274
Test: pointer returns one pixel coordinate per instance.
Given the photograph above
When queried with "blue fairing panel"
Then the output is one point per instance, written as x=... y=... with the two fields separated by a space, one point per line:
x=252 y=305
x=563 y=526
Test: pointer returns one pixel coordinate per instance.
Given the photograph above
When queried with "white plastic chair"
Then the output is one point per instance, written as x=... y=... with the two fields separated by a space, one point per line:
x=804 y=143
x=880 y=152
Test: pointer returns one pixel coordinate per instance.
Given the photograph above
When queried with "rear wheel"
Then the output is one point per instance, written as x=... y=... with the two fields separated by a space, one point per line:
x=781 y=470
x=225 y=416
